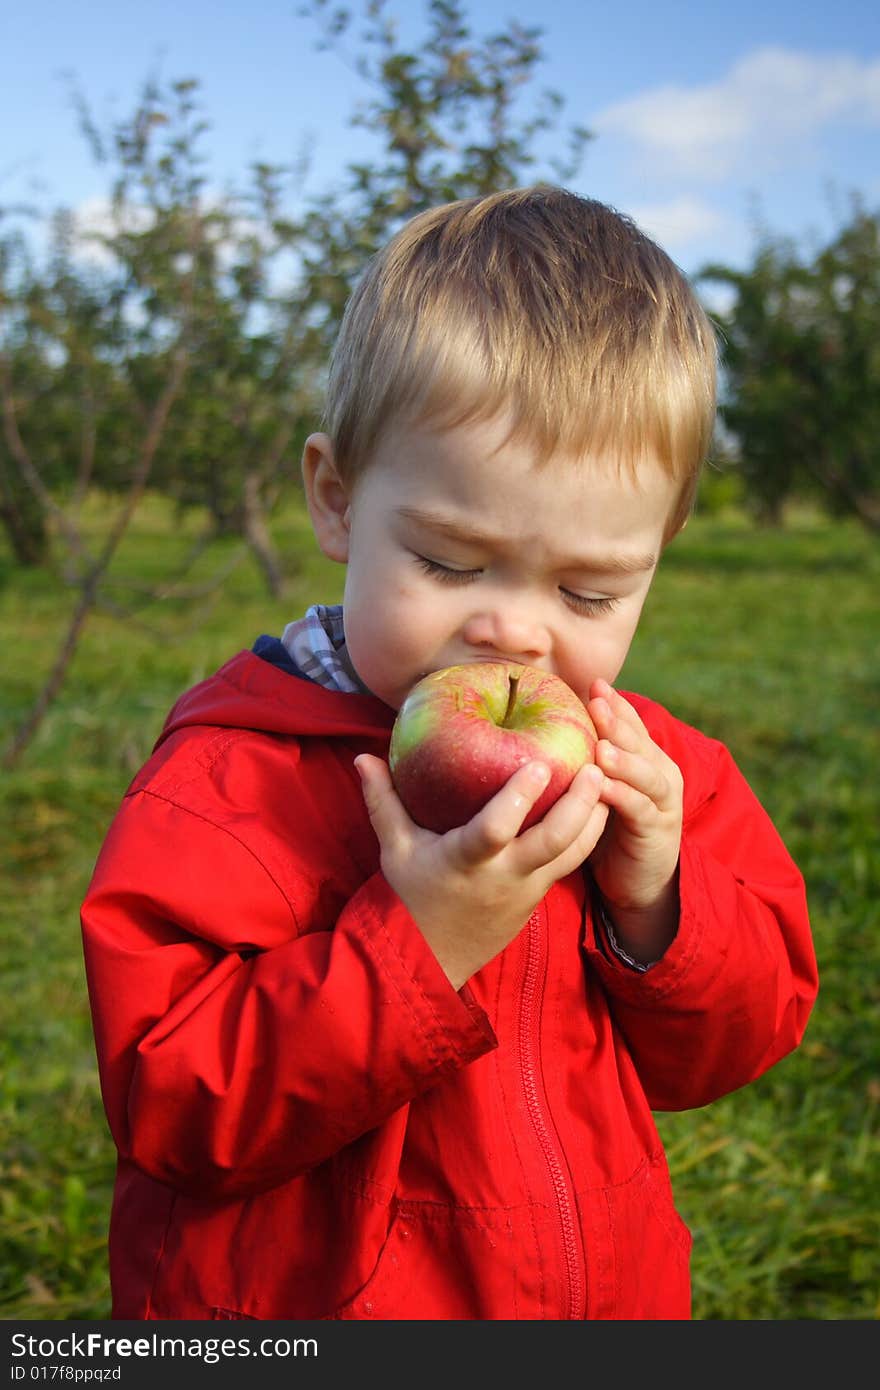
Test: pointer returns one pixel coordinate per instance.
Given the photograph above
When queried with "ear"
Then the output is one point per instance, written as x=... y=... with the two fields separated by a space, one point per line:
x=327 y=497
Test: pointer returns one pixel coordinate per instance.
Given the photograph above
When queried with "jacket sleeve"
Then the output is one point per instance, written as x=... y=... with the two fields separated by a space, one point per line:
x=228 y=1071
x=733 y=992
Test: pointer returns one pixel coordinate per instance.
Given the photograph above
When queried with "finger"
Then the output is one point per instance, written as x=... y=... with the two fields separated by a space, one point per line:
x=632 y=779
x=500 y=820
x=605 y=690
x=583 y=845
x=562 y=825
x=384 y=807
x=615 y=718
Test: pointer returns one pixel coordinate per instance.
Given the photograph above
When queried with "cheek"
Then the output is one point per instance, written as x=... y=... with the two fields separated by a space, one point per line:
x=391 y=623
x=620 y=638
x=623 y=626
x=601 y=649
x=412 y=618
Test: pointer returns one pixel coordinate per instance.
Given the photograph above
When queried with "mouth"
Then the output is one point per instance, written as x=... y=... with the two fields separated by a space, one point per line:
x=496 y=659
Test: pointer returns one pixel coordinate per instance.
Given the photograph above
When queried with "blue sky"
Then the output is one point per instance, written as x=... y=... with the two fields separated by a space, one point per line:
x=705 y=118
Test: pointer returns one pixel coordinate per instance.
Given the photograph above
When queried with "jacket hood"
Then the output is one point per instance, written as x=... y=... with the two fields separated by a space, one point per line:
x=250 y=693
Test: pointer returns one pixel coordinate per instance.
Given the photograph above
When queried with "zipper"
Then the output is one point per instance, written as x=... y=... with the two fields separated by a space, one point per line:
x=529 y=1021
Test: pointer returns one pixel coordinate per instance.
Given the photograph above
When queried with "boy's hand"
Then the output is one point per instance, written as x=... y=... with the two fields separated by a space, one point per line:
x=473 y=889
x=635 y=864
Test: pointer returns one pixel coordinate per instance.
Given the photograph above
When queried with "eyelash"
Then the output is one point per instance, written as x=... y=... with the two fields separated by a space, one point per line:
x=444 y=574
x=589 y=607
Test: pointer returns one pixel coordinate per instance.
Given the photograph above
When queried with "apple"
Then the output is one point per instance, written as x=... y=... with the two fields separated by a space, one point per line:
x=461 y=732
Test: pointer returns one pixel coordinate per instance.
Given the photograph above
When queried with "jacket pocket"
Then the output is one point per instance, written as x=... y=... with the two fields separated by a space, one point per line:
x=639 y=1254
x=442 y=1262
x=361 y=1305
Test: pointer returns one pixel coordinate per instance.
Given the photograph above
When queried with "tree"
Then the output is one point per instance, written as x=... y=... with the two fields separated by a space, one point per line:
x=22 y=514
x=448 y=122
x=190 y=288
x=94 y=355
x=801 y=358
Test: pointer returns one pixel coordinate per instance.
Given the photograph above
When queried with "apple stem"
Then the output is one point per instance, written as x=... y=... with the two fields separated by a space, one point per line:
x=511 y=699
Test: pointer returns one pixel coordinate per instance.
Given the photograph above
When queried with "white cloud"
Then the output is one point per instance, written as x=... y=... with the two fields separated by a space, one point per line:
x=767 y=102
x=95 y=219
x=677 y=223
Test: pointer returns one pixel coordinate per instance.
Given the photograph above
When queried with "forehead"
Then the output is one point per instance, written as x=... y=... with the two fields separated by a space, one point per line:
x=476 y=478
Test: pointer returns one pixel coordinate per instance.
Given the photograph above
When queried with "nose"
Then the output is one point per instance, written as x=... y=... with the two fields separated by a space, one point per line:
x=508 y=631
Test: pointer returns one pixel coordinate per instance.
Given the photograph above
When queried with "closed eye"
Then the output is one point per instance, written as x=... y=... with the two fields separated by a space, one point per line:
x=444 y=573
x=590 y=607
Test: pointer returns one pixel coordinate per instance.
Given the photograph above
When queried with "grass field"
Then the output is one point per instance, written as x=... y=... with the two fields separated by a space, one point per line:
x=767 y=640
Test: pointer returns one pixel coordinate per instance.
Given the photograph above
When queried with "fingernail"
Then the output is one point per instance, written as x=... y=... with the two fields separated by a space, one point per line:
x=539 y=773
x=358 y=769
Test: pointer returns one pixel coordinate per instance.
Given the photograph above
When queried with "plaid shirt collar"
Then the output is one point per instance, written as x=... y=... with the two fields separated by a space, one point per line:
x=316 y=646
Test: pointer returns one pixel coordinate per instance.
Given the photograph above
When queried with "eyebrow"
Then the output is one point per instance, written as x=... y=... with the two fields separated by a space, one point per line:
x=470 y=535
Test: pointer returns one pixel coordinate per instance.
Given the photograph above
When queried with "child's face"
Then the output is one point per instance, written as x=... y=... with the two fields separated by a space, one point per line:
x=461 y=547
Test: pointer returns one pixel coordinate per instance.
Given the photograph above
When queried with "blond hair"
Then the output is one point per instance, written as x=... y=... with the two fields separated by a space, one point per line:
x=538 y=303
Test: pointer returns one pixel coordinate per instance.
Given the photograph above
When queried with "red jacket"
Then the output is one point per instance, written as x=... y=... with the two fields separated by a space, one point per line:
x=312 y=1123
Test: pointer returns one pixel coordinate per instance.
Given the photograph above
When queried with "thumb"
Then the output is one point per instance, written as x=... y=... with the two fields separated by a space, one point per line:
x=384 y=806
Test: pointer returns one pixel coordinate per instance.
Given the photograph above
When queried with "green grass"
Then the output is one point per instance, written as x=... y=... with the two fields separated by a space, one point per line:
x=767 y=640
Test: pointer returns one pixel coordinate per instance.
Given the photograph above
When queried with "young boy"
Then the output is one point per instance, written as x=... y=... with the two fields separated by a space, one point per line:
x=354 y=1069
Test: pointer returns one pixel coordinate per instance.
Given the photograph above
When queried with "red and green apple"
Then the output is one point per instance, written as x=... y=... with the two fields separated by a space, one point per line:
x=463 y=731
